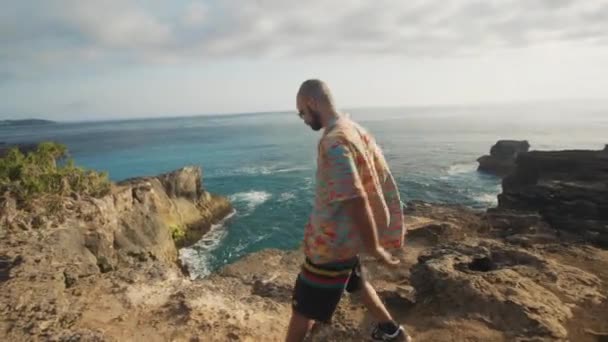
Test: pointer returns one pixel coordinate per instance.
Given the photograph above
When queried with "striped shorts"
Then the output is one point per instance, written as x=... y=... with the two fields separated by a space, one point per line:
x=319 y=287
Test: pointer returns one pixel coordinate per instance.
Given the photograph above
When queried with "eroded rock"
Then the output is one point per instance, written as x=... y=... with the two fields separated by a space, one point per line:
x=516 y=290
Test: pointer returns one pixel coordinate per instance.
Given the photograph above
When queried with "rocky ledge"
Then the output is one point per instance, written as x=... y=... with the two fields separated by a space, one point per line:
x=500 y=275
x=501 y=160
x=568 y=188
x=49 y=253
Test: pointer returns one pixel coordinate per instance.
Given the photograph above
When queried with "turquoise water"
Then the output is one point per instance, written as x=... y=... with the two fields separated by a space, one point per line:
x=265 y=162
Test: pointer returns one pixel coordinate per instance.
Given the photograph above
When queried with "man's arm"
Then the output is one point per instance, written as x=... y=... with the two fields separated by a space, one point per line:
x=361 y=212
x=395 y=207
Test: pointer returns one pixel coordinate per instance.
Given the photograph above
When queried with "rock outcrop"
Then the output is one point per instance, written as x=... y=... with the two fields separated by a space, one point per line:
x=517 y=291
x=104 y=269
x=459 y=280
x=568 y=188
x=501 y=160
x=51 y=249
x=177 y=199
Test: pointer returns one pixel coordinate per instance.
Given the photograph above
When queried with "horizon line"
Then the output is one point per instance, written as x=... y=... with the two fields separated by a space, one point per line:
x=347 y=108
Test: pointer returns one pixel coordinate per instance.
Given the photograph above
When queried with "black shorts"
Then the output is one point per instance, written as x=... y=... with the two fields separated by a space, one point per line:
x=318 y=288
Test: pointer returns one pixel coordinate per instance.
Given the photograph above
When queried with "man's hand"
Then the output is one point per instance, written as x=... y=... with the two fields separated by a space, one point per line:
x=386 y=257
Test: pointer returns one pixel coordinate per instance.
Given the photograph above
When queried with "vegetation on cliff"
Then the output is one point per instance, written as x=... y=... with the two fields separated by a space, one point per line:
x=48 y=171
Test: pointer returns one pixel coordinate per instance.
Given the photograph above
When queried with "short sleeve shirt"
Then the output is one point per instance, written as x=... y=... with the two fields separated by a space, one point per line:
x=350 y=165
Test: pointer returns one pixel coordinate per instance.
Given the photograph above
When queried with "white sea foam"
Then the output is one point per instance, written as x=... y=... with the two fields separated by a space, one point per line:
x=196 y=258
x=287 y=196
x=239 y=248
x=251 y=199
x=291 y=169
x=461 y=168
x=267 y=170
x=489 y=199
x=254 y=170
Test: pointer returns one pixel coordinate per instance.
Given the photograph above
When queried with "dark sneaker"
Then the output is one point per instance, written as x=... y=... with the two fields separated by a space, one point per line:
x=400 y=335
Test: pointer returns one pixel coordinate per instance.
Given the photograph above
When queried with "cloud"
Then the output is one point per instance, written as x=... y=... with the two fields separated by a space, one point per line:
x=40 y=35
x=195 y=15
x=6 y=76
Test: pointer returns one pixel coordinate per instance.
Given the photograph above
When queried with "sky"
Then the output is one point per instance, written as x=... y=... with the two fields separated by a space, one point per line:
x=91 y=59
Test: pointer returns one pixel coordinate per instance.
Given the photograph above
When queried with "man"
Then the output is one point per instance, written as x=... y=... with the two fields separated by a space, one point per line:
x=357 y=209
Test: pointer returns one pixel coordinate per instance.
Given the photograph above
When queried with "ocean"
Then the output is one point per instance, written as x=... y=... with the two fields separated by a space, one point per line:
x=265 y=162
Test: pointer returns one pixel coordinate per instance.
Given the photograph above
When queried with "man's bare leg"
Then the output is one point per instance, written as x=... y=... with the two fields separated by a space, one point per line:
x=298 y=327
x=372 y=302
x=374 y=305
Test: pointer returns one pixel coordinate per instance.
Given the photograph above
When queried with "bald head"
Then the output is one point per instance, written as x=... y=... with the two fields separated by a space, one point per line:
x=318 y=91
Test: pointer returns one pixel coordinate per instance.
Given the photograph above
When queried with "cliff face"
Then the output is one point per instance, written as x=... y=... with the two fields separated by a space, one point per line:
x=50 y=249
x=140 y=218
x=175 y=200
x=501 y=160
x=568 y=188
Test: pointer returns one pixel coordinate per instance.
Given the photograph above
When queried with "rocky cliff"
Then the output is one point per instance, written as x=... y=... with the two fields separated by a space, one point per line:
x=568 y=188
x=104 y=270
x=501 y=160
x=46 y=251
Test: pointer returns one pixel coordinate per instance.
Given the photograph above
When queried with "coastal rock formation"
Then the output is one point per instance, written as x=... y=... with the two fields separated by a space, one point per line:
x=568 y=188
x=519 y=292
x=176 y=199
x=104 y=270
x=49 y=250
x=458 y=280
x=501 y=160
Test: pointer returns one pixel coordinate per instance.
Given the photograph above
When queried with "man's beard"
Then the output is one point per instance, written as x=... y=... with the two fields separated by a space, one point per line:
x=315 y=124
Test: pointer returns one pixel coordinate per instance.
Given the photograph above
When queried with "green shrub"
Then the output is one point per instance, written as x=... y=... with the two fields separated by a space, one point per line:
x=48 y=171
x=178 y=233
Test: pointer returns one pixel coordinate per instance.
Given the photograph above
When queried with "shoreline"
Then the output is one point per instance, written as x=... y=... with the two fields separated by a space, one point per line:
x=107 y=268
